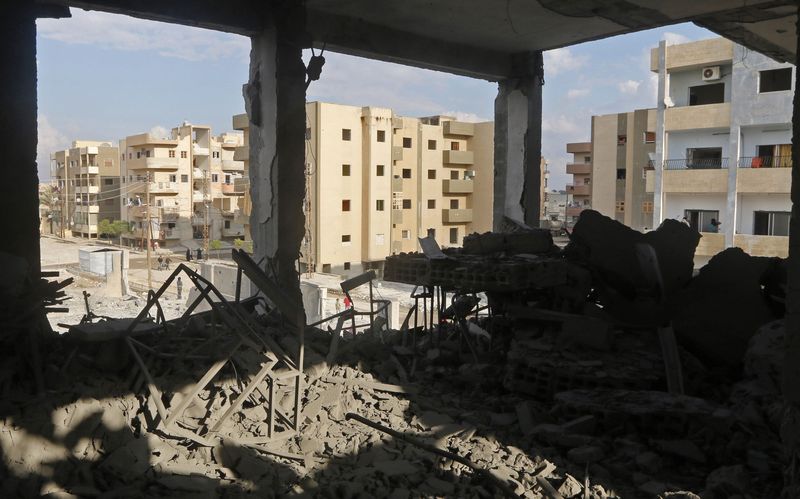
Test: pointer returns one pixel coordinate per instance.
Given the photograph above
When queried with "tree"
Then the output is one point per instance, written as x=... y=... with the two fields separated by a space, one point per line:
x=112 y=229
x=216 y=245
x=105 y=228
x=49 y=201
x=242 y=244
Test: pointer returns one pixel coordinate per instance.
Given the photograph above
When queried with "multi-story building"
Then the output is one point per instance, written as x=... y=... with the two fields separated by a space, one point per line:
x=581 y=187
x=242 y=184
x=378 y=181
x=185 y=182
x=88 y=182
x=555 y=208
x=723 y=145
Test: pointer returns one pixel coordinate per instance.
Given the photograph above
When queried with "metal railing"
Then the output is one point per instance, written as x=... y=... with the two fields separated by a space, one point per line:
x=695 y=164
x=765 y=162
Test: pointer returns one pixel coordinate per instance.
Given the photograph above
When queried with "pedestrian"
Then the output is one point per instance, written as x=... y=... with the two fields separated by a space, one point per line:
x=167 y=262
x=160 y=262
x=199 y=254
x=713 y=226
x=179 y=285
x=188 y=255
x=338 y=305
x=347 y=302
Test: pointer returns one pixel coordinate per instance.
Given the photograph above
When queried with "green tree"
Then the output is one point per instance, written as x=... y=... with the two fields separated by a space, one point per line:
x=113 y=229
x=216 y=245
x=49 y=203
x=105 y=228
x=242 y=244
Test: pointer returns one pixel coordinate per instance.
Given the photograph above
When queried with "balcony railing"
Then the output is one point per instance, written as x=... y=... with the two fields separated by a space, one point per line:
x=765 y=162
x=695 y=164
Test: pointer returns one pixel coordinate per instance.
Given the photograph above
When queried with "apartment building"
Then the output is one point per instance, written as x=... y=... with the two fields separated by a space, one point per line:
x=555 y=207
x=185 y=182
x=88 y=182
x=378 y=181
x=723 y=145
x=580 y=190
x=241 y=185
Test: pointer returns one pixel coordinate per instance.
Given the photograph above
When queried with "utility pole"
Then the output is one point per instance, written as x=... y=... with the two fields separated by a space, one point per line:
x=205 y=204
x=149 y=233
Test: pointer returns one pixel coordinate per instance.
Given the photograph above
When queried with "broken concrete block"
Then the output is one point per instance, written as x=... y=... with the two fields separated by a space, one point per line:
x=685 y=449
x=586 y=454
x=570 y=487
x=129 y=461
x=439 y=487
x=728 y=480
x=396 y=467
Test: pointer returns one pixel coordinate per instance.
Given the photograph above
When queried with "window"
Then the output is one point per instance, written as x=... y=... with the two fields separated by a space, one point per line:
x=108 y=181
x=379 y=170
x=345 y=170
x=647 y=207
x=453 y=174
x=406 y=172
x=216 y=154
x=108 y=162
x=771 y=223
x=432 y=233
x=138 y=156
x=347 y=265
x=184 y=178
x=345 y=205
x=346 y=238
x=621 y=173
x=405 y=234
x=406 y=204
x=431 y=204
x=215 y=177
x=622 y=140
x=587 y=159
x=707 y=94
x=227 y=179
x=431 y=145
x=345 y=134
x=620 y=206
x=701 y=220
x=173 y=178
x=454 y=146
x=121 y=158
x=379 y=204
x=183 y=154
x=649 y=137
x=171 y=153
x=130 y=155
x=775 y=80
x=454 y=204
x=147 y=154
x=227 y=224
x=326 y=268
x=381 y=136
x=704 y=157
x=407 y=142
x=432 y=174
x=454 y=235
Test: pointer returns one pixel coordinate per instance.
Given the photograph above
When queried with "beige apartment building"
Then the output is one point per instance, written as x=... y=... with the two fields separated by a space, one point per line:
x=378 y=181
x=723 y=145
x=184 y=182
x=87 y=178
x=579 y=192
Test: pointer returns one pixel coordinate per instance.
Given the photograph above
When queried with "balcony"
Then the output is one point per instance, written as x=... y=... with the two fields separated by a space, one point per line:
x=397 y=184
x=698 y=117
x=711 y=180
x=241 y=185
x=231 y=190
x=87 y=189
x=579 y=168
x=198 y=150
x=137 y=211
x=456 y=216
x=89 y=170
x=153 y=164
x=170 y=214
x=458 y=158
x=458 y=128
x=696 y=164
x=197 y=197
x=451 y=186
x=765 y=162
x=242 y=153
x=397 y=153
x=87 y=208
x=710 y=244
x=763 y=245
x=229 y=165
x=579 y=147
x=233 y=231
x=764 y=180
x=146 y=139
x=397 y=122
x=241 y=121
x=579 y=190
x=397 y=216
x=163 y=187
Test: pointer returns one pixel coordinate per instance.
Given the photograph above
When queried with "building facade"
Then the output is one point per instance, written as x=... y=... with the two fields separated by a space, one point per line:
x=378 y=181
x=723 y=145
x=579 y=192
x=185 y=183
x=87 y=177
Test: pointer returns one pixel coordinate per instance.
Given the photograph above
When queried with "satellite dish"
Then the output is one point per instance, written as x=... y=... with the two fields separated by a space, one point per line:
x=668 y=102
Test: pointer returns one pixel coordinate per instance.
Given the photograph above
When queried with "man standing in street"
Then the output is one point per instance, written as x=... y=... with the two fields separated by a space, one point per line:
x=179 y=285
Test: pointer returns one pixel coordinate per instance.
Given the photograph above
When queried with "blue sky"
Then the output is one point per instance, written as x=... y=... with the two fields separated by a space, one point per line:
x=103 y=76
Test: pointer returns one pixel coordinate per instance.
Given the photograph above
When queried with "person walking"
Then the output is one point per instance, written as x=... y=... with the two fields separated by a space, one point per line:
x=188 y=255
x=179 y=285
x=167 y=262
x=199 y=254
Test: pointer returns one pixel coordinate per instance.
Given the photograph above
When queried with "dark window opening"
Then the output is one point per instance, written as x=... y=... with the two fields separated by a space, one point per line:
x=432 y=174
x=406 y=204
x=346 y=238
x=347 y=265
x=771 y=223
x=704 y=157
x=454 y=235
x=649 y=137
x=703 y=220
x=431 y=145
x=707 y=94
x=345 y=134
x=345 y=205
x=345 y=170
x=622 y=140
x=381 y=136
x=621 y=173
x=454 y=204
x=406 y=172
x=431 y=204
x=775 y=80
x=379 y=170
x=407 y=142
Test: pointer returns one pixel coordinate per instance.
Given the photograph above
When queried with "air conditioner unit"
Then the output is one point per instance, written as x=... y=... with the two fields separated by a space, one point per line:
x=711 y=73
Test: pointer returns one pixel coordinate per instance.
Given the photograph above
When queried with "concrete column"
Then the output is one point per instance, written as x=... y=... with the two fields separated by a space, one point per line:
x=19 y=195
x=275 y=102
x=731 y=211
x=518 y=143
x=661 y=136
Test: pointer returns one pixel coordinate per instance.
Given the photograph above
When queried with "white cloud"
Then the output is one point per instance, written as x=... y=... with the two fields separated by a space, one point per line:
x=558 y=60
x=50 y=140
x=560 y=125
x=160 y=132
x=577 y=93
x=468 y=117
x=126 y=33
x=630 y=87
x=675 y=38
